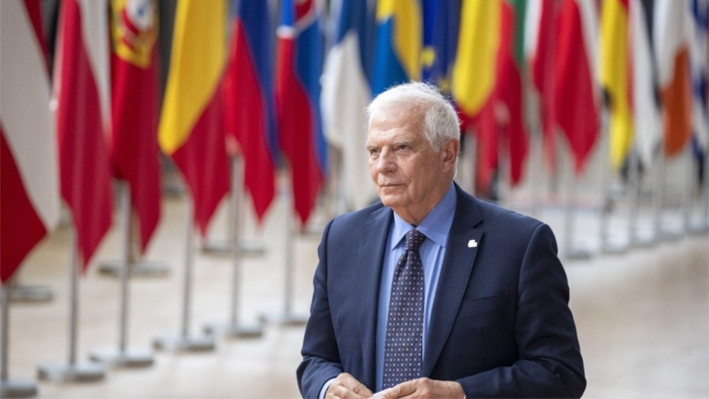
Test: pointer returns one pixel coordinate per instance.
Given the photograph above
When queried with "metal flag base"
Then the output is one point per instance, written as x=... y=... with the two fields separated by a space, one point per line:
x=203 y=343
x=699 y=227
x=285 y=319
x=17 y=389
x=138 y=269
x=30 y=293
x=614 y=244
x=81 y=372
x=224 y=248
x=129 y=358
x=577 y=254
x=235 y=330
x=644 y=238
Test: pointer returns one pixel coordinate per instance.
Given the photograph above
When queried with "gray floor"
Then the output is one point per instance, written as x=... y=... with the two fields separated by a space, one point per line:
x=643 y=317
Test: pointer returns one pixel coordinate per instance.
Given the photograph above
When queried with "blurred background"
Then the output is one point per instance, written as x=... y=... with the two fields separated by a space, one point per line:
x=167 y=168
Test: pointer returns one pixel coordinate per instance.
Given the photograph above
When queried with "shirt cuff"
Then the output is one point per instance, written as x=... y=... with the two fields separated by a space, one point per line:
x=324 y=388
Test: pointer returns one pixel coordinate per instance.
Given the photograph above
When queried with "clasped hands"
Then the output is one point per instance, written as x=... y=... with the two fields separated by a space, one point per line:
x=345 y=386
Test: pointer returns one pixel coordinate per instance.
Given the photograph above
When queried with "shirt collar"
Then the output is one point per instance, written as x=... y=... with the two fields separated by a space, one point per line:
x=435 y=226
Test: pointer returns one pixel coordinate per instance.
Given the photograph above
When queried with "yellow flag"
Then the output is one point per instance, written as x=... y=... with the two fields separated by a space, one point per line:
x=478 y=44
x=614 y=77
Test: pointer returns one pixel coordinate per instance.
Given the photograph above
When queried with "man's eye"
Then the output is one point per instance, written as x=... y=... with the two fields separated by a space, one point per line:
x=402 y=147
x=373 y=151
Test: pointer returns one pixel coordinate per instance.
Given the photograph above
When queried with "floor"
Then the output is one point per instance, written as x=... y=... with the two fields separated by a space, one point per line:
x=642 y=316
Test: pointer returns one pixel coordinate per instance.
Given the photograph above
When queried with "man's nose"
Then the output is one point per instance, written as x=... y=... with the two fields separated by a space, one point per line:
x=385 y=163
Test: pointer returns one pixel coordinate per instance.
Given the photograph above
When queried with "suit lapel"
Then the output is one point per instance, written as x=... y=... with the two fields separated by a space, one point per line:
x=371 y=255
x=455 y=274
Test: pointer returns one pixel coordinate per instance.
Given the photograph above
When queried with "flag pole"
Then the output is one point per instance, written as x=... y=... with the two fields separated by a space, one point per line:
x=72 y=371
x=28 y=293
x=571 y=250
x=139 y=268
x=609 y=244
x=287 y=317
x=185 y=342
x=659 y=192
x=235 y=328
x=226 y=247
x=688 y=189
x=10 y=388
x=124 y=356
x=536 y=159
x=633 y=197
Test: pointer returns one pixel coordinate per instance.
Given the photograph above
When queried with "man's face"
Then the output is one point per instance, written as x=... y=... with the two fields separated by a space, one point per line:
x=409 y=175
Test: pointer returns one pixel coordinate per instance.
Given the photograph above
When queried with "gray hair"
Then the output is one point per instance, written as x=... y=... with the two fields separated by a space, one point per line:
x=441 y=122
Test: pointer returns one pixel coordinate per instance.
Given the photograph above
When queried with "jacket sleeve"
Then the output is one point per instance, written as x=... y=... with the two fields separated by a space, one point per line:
x=321 y=360
x=549 y=362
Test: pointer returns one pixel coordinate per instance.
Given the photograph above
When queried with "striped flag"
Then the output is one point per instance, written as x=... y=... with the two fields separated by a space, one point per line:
x=397 y=54
x=474 y=77
x=487 y=81
x=614 y=76
x=671 y=41
x=345 y=95
x=645 y=111
x=511 y=66
x=298 y=71
x=135 y=108
x=191 y=127
x=29 y=178
x=83 y=119
x=540 y=23
x=248 y=88
x=576 y=98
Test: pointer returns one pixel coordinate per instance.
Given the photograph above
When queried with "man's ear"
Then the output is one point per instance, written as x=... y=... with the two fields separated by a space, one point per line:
x=449 y=154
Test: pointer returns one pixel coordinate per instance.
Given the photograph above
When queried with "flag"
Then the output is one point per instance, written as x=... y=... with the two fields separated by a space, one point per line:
x=191 y=129
x=541 y=18
x=576 y=98
x=399 y=35
x=83 y=119
x=29 y=178
x=671 y=41
x=474 y=72
x=440 y=40
x=614 y=77
x=248 y=88
x=508 y=85
x=134 y=103
x=646 y=115
x=699 y=59
x=474 y=77
x=487 y=82
x=345 y=95
x=299 y=67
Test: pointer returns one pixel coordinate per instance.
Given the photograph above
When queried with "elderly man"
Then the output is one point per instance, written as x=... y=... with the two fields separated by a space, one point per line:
x=433 y=293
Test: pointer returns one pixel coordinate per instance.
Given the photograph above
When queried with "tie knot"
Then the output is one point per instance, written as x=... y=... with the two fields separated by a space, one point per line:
x=414 y=238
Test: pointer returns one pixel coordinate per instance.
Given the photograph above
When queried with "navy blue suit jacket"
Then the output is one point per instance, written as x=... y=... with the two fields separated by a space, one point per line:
x=500 y=323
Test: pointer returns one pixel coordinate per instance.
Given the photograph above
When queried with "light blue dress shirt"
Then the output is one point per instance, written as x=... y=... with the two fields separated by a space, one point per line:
x=435 y=227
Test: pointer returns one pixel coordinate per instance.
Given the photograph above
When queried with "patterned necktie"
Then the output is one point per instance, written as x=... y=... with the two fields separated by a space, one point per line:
x=404 y=334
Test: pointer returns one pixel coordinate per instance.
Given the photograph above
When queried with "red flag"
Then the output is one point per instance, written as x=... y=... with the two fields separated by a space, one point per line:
x=575 y=93
x=509 y=85
x=29 y=181
x=135 y=108
x=539 y=45
x=248 y=87
x=298 y=71
x=83 y=120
